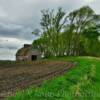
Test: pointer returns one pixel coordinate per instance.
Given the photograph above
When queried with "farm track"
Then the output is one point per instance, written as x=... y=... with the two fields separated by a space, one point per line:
x=19 y=76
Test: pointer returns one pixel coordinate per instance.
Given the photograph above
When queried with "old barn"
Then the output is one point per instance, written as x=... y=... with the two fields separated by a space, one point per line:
x=27 y=53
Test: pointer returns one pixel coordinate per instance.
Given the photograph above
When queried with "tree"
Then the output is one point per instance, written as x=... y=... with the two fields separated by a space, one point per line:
x=52 y=25
x=73 y=34
x=79 y=20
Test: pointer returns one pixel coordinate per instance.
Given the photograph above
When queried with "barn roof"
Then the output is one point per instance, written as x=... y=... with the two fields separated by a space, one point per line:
x=26 y=50
x=23 y=51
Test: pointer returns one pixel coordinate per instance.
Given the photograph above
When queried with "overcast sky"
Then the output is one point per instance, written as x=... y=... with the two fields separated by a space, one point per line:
x=18 y=18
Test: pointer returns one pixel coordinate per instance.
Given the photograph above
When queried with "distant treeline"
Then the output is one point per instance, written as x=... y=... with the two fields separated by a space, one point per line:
x=73 y=34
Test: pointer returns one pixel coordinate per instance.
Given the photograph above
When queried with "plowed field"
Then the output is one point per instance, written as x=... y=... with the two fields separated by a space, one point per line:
x=20 y=75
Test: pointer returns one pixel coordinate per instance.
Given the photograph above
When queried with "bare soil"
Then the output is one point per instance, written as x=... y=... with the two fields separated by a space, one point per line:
x=20 y=75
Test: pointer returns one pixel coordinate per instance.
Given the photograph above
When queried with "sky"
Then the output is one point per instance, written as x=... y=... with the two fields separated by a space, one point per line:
x=18 y=18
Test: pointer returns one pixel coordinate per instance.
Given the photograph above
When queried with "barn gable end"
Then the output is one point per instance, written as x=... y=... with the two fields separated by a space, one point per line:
x=28 y=54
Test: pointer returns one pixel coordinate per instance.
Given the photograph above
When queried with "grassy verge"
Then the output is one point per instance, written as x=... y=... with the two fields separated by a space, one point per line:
x=80 y=83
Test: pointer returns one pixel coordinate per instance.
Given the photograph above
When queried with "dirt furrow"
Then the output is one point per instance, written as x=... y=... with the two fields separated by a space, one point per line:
x=13 y=78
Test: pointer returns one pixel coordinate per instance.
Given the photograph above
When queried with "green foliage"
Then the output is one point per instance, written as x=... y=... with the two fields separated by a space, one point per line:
x=70 y=35
x=87 y=80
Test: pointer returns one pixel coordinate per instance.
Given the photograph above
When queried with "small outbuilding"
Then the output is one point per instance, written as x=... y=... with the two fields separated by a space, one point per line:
x=27 y=53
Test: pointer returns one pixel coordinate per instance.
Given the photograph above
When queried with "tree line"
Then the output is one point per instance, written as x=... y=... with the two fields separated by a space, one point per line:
x=73 y=34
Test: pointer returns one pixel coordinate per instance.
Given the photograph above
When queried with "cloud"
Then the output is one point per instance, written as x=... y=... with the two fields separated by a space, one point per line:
x=18 y=18
x=12 y=43
x=9 y=47
x=16 y=31
x=7 y=54
x=89 y=1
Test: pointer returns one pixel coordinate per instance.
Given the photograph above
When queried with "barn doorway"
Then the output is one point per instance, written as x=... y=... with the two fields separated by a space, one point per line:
x=34 y=57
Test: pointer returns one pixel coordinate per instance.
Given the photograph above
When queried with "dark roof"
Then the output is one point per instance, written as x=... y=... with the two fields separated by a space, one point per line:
x=23 y=51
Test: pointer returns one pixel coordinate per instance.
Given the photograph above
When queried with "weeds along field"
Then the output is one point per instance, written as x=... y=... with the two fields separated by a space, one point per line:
x=15 y=76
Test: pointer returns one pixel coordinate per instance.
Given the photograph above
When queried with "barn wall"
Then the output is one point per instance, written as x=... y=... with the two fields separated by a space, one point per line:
x=35 y=52
x=29 y=56
x=21 y=58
